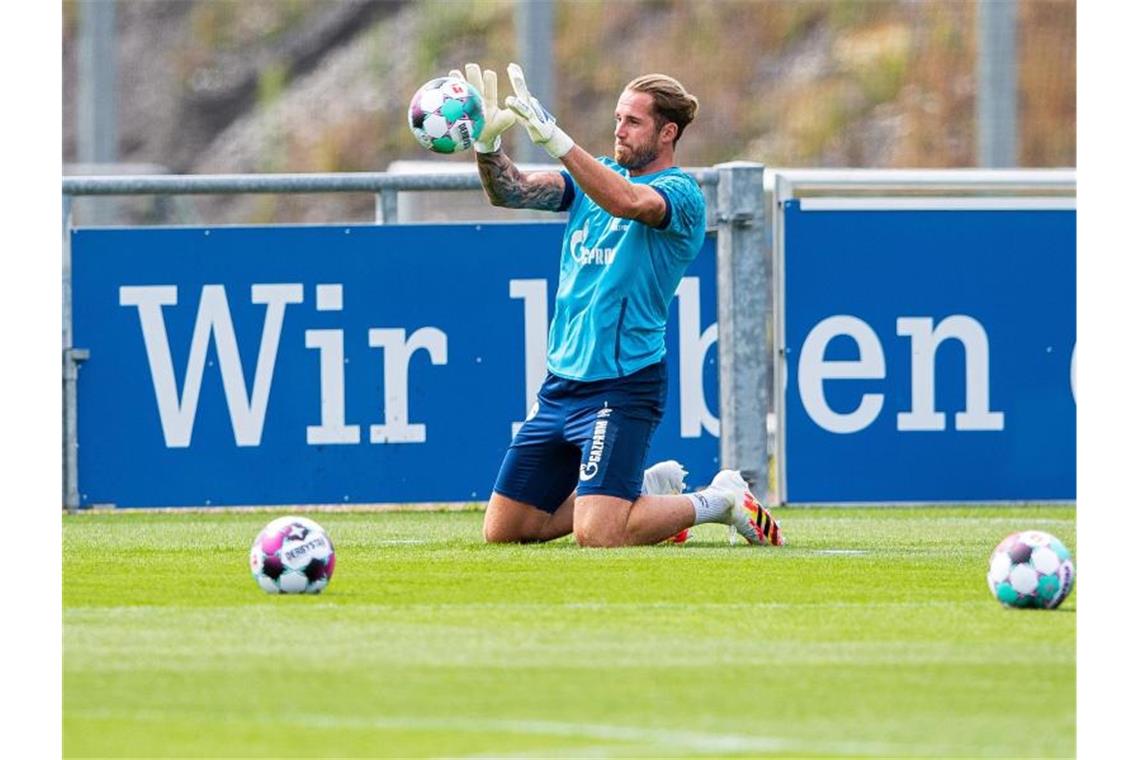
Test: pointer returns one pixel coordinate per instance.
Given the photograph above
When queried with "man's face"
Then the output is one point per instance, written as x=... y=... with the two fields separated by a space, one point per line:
x=637 y=139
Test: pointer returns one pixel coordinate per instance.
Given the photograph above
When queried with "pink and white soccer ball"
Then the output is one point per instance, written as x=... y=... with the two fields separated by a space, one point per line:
x=292 y=555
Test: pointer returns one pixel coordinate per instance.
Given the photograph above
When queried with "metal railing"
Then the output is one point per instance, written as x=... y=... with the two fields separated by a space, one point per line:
x=744 y=206
x=383 y=184
x=789 y=183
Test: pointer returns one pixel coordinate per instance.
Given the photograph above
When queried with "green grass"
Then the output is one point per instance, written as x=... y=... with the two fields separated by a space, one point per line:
x=872 y=634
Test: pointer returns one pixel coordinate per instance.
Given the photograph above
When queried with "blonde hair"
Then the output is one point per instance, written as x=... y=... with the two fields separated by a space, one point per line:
x=671 y=101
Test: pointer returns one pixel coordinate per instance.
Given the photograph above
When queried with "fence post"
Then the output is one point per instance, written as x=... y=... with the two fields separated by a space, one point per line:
x=996 y=106
x=71 y=359
x=534 y=41
x=387 y=206
x=743 y=305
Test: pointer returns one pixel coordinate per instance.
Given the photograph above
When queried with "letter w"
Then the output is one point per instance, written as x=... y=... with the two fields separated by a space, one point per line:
x=247 y=414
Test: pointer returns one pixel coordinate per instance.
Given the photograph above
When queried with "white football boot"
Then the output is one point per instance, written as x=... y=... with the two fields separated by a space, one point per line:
x=750 y=518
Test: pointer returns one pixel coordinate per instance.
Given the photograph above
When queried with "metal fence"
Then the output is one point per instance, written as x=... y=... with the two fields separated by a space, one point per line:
x=744 y=208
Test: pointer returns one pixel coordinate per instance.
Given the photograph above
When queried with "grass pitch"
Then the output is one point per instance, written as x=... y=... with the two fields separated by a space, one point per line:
x=871 y=634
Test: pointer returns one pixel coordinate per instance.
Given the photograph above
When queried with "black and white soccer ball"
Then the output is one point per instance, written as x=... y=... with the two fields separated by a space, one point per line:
x=1031 y=568
x=446 y=115
x=292 y=555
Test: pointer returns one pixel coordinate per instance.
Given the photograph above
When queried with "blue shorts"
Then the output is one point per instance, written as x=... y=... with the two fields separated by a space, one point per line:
x=589 y=436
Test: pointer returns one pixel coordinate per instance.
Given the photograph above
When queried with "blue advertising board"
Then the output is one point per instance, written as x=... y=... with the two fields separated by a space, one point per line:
x=928 y=350
x=348 y=364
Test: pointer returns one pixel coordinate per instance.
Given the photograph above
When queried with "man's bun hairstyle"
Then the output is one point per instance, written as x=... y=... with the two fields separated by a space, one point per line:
x=671 y=101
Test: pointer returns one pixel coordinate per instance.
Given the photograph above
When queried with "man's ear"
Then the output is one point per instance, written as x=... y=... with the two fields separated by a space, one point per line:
x=669 y=132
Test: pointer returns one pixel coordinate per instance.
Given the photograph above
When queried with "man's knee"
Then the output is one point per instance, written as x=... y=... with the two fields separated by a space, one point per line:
x=600 y=521
x=495 y=534
x=507 y=521
x=503 y=533
x=497 y=529
x=597 y=538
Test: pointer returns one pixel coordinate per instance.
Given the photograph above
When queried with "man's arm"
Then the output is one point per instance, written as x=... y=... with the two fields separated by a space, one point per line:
x=613 y=192
x=507 y=185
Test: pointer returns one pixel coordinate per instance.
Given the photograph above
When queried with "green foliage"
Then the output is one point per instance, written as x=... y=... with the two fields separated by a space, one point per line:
x=872 y=633
x=271 y=83
x=232 y=24
x=212 y=24
x=853 y=13
x=796 y=20
x=881 y=83
x=447 y=28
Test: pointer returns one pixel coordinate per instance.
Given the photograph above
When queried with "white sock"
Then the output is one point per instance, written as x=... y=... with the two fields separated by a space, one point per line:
x=710 y=506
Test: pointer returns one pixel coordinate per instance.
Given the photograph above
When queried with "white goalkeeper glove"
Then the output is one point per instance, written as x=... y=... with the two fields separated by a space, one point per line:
x=496 y=120
x=539 y=123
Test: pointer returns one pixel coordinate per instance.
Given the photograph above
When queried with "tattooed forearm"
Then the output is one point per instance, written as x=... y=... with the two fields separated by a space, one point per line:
x=507 y=186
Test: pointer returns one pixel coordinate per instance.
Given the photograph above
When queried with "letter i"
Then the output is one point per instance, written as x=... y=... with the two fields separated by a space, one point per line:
x=330 y=343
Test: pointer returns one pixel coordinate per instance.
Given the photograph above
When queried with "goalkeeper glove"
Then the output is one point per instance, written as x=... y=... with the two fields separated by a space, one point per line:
x=539 y=123
x=496 y=120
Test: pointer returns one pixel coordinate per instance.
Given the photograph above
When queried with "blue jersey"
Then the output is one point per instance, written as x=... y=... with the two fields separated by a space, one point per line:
x=617 y=277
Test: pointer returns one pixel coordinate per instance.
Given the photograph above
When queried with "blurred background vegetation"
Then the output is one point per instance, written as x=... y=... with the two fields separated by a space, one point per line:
x=233 y=86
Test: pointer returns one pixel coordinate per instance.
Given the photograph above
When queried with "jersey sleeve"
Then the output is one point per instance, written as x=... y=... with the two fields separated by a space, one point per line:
x=684 y=205
x=570 y=192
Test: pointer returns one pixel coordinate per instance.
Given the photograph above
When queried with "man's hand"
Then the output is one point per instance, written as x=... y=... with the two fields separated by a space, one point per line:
x=496 y=120
x=539 y=123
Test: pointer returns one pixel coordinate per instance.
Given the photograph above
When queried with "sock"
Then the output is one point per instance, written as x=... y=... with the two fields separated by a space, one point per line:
x=709 y=506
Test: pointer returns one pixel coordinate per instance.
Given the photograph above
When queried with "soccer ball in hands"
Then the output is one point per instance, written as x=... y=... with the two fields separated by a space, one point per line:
x=292 y=555
x=446 y=115
x=1031 y=569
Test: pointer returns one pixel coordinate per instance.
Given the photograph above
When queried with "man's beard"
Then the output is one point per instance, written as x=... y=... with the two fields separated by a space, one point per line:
x=638 y=158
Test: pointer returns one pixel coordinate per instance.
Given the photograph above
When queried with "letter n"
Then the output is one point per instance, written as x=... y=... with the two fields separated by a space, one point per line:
x=924 y=342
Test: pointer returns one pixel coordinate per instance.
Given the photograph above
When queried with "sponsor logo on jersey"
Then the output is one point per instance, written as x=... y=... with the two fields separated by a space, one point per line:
x=584 y=256
x=617 y=224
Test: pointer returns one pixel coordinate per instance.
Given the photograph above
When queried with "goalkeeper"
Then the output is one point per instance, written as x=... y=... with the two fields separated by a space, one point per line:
x=635 y=223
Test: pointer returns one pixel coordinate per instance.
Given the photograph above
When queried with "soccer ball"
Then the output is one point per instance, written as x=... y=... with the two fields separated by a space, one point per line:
x=1031 y=569
x=446 y=115
x=292 y=555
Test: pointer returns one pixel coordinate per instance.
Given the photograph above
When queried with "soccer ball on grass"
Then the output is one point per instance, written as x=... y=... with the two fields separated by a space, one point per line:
x=292 y=555
x=1031 y=568
x=446 y=115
